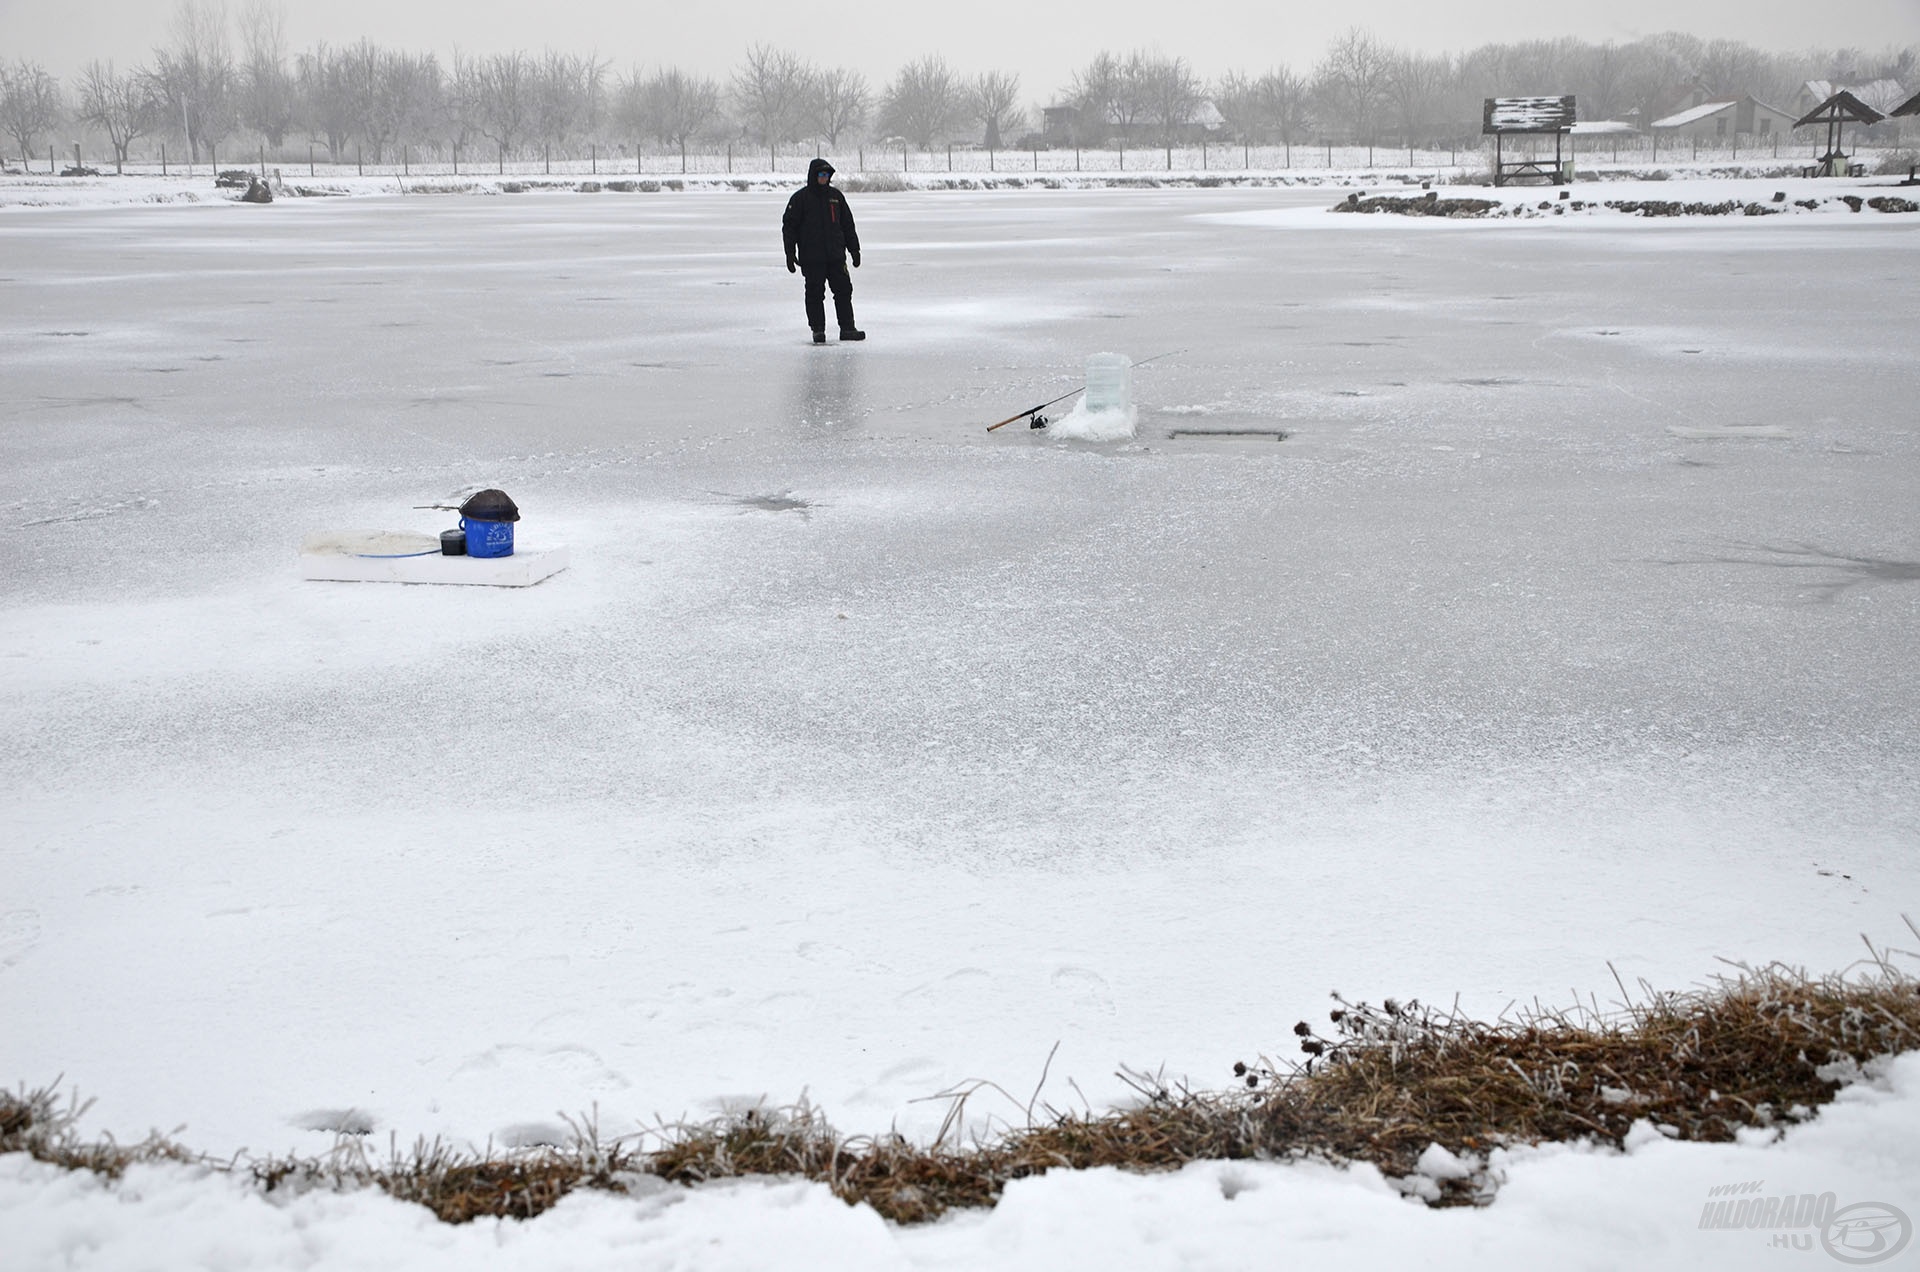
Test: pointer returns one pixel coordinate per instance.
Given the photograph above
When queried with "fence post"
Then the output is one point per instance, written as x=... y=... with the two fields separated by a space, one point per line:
x=213 y=160
x=729 y=158
x=546 y=160
x=360 y=159
x=406 y=160
x=949 y=156
x=163 y=158
x=49 y=159
x=593 y=156
x=263 y=161
x=309 y=158
x=503 y=159
x=456 y=158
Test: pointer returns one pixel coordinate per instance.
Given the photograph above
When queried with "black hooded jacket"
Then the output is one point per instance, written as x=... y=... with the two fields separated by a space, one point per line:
x=818 y=227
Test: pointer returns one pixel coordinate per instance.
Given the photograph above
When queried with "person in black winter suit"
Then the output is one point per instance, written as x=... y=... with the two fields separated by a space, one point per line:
x=820 y=238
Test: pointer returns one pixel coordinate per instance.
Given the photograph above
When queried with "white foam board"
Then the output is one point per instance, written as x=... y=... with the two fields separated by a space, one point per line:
x=524 y=568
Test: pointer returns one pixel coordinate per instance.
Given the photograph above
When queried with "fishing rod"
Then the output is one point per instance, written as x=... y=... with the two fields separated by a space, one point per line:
x=1040 y=421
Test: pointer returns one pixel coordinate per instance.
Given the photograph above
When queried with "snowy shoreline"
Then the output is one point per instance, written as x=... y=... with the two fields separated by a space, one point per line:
x=44 y=190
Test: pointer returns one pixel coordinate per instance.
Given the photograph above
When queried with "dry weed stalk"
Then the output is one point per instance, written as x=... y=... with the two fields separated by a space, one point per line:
x=1763 y=1047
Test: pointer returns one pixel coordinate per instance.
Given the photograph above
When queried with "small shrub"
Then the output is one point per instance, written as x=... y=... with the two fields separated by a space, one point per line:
x=874 y=183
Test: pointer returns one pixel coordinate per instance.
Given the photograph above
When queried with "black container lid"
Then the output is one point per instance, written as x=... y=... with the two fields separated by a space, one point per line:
x=490 y=505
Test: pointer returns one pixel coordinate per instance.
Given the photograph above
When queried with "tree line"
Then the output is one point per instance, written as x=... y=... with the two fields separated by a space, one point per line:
x=216 y=81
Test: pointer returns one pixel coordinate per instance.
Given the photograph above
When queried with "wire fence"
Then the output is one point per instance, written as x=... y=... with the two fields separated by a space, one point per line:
x=1107 y=161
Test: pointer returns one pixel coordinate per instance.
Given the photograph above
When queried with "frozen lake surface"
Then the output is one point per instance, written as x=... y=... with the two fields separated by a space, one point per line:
x=862 y=752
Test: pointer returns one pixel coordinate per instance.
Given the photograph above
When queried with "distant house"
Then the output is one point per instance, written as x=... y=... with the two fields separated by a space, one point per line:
x=1207 y=121
x=1060 y=125
x=1710 y=121
x=1881 y=94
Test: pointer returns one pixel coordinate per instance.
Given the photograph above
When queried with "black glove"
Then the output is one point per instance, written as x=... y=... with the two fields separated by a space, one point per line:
x=855 y=254
x=791 y=267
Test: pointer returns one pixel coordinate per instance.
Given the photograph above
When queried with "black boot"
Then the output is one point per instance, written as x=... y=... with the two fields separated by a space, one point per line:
x=850 y=333
x=819 y=337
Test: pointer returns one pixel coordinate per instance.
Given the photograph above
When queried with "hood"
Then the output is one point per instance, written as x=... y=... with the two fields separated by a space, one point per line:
x=814 y=170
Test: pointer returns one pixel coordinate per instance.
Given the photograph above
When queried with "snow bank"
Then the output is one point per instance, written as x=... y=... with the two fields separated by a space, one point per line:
x=1567 y=1206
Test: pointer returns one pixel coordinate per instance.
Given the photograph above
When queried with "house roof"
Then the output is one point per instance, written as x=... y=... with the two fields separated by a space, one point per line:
x=1909 y=107
x=1881 y=94
x=1707 y=110
x=1843 y=107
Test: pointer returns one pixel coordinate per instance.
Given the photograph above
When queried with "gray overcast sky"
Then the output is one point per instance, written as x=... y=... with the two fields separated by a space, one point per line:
x=1043 y=43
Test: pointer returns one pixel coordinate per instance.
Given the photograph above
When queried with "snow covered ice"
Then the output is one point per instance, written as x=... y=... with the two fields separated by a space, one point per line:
x=860 y=752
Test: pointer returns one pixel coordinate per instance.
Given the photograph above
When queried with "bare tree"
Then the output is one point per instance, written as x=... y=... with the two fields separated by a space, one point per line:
x=1233 y=97
x=195 y=75
x=925 y=103
x=1171 y=96
x=1283 y=100
x=397 y=96
x=507 y=86
x=266 y=88
x=29 y=103
x=1416 y=86
x=1351 y=85
x=568 y=92
x=1131 y=104
x=994 y=101
x=670 y=105
x=323 y=81
x=769 y=88
x=836 y=101
x=119 y=105
x=1094 y=92
x=463 y=99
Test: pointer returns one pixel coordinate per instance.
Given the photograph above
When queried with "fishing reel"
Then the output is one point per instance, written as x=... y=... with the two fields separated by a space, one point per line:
x=1037 y=420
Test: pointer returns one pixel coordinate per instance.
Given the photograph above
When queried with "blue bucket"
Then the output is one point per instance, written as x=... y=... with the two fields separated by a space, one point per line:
x=488 y=538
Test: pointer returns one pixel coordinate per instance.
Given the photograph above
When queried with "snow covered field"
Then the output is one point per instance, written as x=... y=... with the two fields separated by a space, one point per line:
x=861 y=753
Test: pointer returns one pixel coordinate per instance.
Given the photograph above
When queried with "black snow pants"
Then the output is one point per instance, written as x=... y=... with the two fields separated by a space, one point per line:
x=842 y=284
